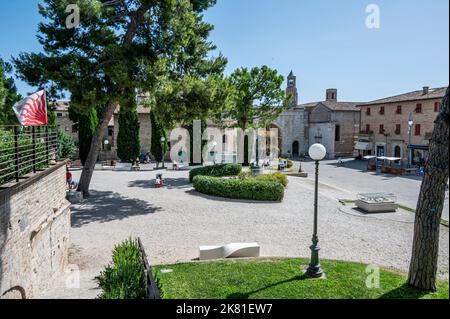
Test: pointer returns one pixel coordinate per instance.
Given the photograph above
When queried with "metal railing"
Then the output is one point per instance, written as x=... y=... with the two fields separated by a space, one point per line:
x=25 y=150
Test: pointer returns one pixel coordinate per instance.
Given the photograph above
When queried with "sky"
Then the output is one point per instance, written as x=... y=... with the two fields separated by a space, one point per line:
x=325 y=42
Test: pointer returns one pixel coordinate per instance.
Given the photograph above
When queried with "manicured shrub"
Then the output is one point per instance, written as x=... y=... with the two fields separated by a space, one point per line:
x=216 y=171
x=250 y=189
x=274 y=177
x=125 y=277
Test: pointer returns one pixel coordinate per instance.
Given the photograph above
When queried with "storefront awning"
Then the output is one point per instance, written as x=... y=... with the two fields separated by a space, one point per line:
x=363 y=146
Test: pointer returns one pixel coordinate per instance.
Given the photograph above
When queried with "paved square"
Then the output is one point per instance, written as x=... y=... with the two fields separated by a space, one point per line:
x=174 y=221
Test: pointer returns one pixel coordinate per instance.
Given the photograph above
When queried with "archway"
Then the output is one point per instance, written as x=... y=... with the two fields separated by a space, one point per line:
x=295 y=149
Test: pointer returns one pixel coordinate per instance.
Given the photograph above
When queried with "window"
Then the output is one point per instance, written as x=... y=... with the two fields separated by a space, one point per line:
x=398 y=129
x=59 y=114
x=419 y=108
x=337 y=133
x=417 y=130
x=367 y=128
x=437 y=107
x=111 y=131
x=399 y=109
x=381 y=128
x=382 y=110
x=368 y=111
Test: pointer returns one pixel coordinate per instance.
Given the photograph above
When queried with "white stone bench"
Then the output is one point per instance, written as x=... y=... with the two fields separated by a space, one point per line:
x=234 y=250
x=123 y=167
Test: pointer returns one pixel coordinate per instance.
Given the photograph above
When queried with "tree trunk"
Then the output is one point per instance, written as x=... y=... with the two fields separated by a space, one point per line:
x=96 y=145
x=424 y=261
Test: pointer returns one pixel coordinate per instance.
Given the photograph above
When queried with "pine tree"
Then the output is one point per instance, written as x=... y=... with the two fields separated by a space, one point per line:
x=128 y=142
x=119 y=46
x=8 y=96
x=158 y=148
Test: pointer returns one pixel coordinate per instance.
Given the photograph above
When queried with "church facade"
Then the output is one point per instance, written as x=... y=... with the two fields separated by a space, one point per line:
x=330 y=122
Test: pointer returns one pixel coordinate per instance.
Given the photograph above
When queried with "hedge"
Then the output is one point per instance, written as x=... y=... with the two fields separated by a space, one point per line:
x=216 y=171
x=250 y=189
x=272 y=177
x=125 y=277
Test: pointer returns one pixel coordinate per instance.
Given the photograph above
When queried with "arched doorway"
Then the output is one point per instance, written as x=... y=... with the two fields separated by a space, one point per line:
x=397 y=151
x=280 y=139
x=295 y=149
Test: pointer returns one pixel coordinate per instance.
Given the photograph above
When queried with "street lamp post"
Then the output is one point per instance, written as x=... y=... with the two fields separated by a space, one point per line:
x=410 y=125
x=163 y=141
x=317 y=152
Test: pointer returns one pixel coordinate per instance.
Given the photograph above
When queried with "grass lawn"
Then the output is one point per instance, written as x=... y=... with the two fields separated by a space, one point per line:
x=282 y=279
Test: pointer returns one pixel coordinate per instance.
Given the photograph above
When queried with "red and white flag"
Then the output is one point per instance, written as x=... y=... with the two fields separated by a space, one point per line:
x=32 y=111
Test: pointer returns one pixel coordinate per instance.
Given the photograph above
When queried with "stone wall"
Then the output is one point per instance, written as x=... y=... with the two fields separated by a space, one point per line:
x=292 y=129
x=34 y=233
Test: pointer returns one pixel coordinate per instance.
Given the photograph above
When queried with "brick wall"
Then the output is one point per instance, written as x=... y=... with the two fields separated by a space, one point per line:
x=390 y=119
x=34 y=233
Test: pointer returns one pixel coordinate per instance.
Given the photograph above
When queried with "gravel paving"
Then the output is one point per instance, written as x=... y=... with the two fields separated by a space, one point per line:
x=174 y=221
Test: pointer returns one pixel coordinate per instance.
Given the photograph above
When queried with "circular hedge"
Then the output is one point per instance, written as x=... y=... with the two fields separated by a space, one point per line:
x=249 y=189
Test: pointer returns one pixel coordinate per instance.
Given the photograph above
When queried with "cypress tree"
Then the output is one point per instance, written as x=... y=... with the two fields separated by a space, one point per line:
x=128 y=142
x=158 y=148
x=87 y=125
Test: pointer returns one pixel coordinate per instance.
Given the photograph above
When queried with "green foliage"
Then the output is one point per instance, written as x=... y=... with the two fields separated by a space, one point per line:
x=128 y=45
x=191 y=98
x=66 y=145
x=249 y=189
x=256 y=97
x=8 y=96
x=87 y=125
x=128 y=142
x=158 y=148
x=219 y=170
x=272 y=177
x=280 y=278
x=125 y=277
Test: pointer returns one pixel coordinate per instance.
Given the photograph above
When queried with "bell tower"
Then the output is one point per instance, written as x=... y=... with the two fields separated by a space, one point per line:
x=291 y=89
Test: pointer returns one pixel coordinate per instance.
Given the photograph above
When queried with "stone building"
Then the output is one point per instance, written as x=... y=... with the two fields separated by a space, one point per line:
x=385 y=127
x=333 y=123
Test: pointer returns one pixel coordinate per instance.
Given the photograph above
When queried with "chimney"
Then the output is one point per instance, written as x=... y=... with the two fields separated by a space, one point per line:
x=331 y=95
x=426 y=90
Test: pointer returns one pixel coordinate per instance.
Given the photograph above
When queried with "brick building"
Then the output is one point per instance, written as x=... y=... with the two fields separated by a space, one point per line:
x=385 y=124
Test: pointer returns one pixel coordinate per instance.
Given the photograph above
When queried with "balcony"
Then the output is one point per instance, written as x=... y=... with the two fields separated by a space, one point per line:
x=365 y=134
